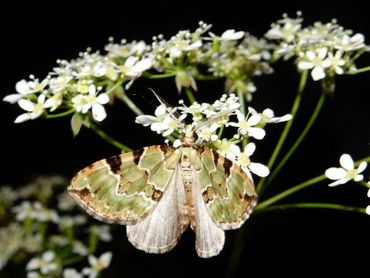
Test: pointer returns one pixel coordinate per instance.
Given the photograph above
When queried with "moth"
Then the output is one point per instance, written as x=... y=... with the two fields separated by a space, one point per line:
x=158 y=191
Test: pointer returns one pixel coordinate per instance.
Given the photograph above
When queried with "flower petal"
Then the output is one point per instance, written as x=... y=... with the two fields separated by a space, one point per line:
x=27 y=105
x=256 y=132
x=22 y=118
x=103 y=98
x=335 y=173
x=346 y=162
x=368 y=210
x=259 y=169
x=338 y=182
x=254 y=119
x=317 y=73
x=13 y=98
x=303 y=65
x=98 y=112
x=145 y=120
x=249 y=149
x=361 y=167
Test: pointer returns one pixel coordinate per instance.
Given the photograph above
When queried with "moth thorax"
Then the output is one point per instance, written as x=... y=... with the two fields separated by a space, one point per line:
x=189 y=138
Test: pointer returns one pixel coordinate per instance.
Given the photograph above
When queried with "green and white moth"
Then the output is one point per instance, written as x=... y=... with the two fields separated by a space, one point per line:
x=158 y=191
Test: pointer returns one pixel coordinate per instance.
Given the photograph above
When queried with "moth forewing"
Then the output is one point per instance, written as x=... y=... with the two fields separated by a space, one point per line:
x=117 y=189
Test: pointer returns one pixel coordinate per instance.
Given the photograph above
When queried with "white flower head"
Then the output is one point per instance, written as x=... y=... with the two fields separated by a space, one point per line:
x=97 y=264
x=83 y=103
x=46 y=263
x=25 y=88
x=246 y=125
x=268 y=116
x=227 y=148
x=347 y=172
x=243 y=159
x=164 y=122
x=71 y=273
x=34 y=110
x=317 y=61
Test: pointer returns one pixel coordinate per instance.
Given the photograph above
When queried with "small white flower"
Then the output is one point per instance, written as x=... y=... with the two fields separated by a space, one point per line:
x=102 y=231
x=24 y=88
x=83 y=103
x=79 y=248
x=71 y=273
x=46 y=264
x=207 y=133
x=347 y=172
x=133 y=67
x=286 y=31
x=268 y=116
x=246 y=125
x=317 y=61
x=34 y=110
x=336 y=62
x=243 y=159
x=227 y=148
x=97 y=265
x=164 y=121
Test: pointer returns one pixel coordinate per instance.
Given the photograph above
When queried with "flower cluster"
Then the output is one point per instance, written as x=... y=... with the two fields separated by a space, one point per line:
x=208 y=122
x=48 y=236
x=84 y=86
x=326 y=49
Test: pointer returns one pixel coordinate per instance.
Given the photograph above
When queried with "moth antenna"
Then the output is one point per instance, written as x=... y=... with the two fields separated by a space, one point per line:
x=169 y=109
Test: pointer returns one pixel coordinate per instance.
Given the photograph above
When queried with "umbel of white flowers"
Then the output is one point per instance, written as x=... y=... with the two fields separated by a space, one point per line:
x=207 y=120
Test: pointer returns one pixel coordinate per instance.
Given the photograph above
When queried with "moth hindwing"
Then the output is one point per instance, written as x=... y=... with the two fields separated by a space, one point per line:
x=158 y=191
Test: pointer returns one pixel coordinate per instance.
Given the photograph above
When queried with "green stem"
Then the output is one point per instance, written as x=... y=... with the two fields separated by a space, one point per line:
x=290 y=191
x=115 y=86
x=158 y=76
x=243 y=110
x=237 y=252
x=190 y=95
x=73 y=260
x=219 y=135
x=365 y=69
x=108 y=138
x=312 y=205
x=300 y=186
x=93 y=241
x=130 y=104
x=288 y=125
x=62 y=114
x=297 y=142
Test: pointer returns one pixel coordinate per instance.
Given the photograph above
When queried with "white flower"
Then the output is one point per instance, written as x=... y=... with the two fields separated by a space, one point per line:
x=286 y=31
x=347 y=172
x=246 y=125
x=164 y=121
x=227 y=148
x=83 y=103
x=231 y=35
x=34 y=110
x=71 y=273
x=268 y=116
x=46 y=264
x=133 y=67
x=347 y=43
x=207 y=133
x=79 y=248
x=316 y=61
x=102 y=231
x=24 y=88
x=336 y=61
x=97 y=265
x=243 y=159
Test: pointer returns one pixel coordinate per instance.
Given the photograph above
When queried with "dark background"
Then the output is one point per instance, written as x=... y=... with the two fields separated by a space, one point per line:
x=302 y=242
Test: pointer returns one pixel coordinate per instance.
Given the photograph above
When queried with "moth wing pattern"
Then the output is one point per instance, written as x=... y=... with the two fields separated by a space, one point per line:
x=226 y=189
x=124 y=189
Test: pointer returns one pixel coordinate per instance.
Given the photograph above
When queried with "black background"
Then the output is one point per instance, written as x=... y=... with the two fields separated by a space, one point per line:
x=302 y=242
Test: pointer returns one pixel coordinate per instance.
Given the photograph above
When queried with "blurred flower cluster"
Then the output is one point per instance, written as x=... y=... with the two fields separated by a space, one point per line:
x=42 y=228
